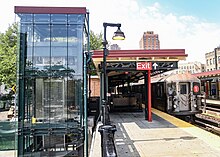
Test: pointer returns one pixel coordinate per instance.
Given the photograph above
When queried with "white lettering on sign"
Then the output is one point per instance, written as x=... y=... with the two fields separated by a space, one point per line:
x=155 y=66
x=196 y=89
x=143 y=66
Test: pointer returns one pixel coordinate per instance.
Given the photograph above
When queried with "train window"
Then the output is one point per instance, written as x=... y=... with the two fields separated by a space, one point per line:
x=171 y=88
x=183 y=89
x=159 y=90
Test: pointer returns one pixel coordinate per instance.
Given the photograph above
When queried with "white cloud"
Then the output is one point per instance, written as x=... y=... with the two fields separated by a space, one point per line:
x=184 y=32
x=6 y=15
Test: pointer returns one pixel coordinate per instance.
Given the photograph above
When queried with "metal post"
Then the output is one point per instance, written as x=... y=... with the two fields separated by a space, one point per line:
x=146 y=94
x=107 y=140
x=147 y=88
x=106 y=130
x=85 y=93
x=104 y=100
x=21 y=96
x=204 y=107
x=149 y=97
x=105 y=53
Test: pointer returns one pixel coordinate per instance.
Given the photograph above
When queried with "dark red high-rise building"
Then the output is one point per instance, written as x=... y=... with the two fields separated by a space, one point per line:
x=149 y=41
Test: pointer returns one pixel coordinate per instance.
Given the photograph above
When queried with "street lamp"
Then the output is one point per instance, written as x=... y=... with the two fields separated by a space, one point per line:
x=118 y=35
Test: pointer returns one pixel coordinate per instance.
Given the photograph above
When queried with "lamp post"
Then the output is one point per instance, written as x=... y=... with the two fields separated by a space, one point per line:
x=118 y=35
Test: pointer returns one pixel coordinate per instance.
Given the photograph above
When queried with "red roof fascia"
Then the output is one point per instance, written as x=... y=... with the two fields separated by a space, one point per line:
x=141 y=53
x=49 y=10
x=207 y=73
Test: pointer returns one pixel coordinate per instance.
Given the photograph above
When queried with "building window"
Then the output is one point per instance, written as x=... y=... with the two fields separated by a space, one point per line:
x=210 y=61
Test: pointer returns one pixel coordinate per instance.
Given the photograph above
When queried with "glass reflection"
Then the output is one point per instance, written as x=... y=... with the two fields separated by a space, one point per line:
x=52 y=80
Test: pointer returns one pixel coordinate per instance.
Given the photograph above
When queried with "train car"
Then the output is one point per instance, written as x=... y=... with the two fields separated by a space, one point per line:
x=177 y=94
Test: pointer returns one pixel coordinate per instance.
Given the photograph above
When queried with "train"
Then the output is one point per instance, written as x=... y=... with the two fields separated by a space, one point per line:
x=176 y=94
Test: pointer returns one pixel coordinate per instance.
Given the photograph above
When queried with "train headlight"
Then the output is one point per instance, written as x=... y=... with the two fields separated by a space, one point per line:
x=195 y=105
x=174 y=106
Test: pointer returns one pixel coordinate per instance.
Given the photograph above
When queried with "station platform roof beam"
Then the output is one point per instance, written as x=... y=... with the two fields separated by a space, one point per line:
x=164 y=55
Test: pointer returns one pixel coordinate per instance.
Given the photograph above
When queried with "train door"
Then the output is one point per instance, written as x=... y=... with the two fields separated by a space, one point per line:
x=184 y=97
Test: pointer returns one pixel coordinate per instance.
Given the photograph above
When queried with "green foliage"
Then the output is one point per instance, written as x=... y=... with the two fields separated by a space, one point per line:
x=95 y=44
x=8 y=48
x=95 y=41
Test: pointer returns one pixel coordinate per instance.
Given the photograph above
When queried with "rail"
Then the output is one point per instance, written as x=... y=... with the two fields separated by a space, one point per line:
x=107 y=140
x=209 y=119
x=107 y=132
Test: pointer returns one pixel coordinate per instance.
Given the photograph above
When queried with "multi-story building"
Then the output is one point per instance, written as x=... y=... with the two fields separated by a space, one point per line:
x=191 y=67
x=115 y=47
x=149 y=41
x=213 y=59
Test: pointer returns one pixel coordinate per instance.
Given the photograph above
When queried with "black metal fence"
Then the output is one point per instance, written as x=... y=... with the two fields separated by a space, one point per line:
x=107 y=143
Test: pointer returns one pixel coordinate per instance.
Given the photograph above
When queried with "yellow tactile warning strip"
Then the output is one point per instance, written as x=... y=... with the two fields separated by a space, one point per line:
x=160 y=140
x=175 y=121
x=211 y=139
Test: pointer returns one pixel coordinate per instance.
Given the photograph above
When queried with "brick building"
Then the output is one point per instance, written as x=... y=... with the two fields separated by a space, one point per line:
x=149 y=41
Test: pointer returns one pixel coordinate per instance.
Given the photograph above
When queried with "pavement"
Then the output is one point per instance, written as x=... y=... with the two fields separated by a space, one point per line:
x=165 y=136
x=9 y=153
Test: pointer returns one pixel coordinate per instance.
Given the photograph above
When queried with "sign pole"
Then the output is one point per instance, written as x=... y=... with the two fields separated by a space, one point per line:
x=149 y=96
x=146 y=66
x=146 y=94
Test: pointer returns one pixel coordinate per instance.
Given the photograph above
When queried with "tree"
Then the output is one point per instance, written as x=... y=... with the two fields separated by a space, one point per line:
x=8 y=48
x=95 y=41
x=95 y=44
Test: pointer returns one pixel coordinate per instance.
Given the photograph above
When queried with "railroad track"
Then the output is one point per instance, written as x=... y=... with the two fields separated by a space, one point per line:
x=207 y=124
x=209 y=119
x=212 y=107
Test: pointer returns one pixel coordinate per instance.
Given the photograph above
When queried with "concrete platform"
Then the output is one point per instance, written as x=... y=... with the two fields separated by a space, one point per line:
x=165 y=136
x=9 y=153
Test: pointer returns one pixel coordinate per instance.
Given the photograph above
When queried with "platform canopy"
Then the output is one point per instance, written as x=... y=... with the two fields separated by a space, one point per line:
x=208 y=75
x=122 y=64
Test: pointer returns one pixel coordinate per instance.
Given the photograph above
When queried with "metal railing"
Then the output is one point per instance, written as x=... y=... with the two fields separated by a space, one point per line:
x=107 y=132
x=107 y=140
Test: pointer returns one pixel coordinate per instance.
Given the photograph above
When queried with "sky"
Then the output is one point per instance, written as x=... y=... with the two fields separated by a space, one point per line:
x=192 y=25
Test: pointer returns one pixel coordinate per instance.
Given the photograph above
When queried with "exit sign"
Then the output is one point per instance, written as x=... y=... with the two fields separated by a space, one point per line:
x=143 y=66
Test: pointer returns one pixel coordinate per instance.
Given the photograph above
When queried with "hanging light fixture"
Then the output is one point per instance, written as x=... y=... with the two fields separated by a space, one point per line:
x=118 y=35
